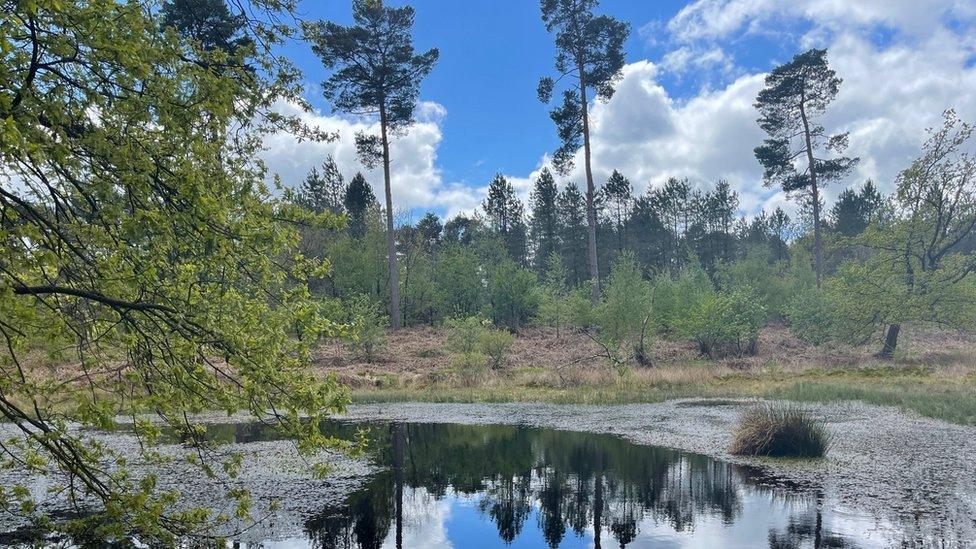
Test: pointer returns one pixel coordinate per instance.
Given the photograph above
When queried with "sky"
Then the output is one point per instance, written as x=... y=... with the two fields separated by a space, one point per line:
x=683 y=108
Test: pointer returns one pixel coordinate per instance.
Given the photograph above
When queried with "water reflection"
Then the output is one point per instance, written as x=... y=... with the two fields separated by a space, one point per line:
x=449 y=484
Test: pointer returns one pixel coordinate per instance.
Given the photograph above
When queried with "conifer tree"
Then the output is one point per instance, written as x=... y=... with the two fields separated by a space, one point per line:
x=376 y=72
x=544 y=225
x=589 y=50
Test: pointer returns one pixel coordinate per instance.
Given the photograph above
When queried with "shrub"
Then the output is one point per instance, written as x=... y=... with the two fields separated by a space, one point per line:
x=553 y=296
x=463 y=334
x=810 y=317
x=622 y=317
x=674 y=297
x=725 y=323
x=780 y=431
x=495 y=344
x=368 y=325
x=512 y=295
x=470 y=367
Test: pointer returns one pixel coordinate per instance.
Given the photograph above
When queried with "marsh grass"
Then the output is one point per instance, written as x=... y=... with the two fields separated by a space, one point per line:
x=777 y=430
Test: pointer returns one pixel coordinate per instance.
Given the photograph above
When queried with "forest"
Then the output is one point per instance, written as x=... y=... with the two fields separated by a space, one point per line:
x=153 y=269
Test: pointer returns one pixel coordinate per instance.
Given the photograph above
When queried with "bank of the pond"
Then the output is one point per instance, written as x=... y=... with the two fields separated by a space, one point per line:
x=897 y=466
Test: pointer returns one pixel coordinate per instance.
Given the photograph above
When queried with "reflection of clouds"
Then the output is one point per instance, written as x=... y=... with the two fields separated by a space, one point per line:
x=424 y=520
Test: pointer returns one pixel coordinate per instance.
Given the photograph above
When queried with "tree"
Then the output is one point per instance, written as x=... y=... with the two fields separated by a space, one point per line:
x=618 y=195
x=359 y=200
x=554 y=303
x=572 y=231
x=794 y=96
x=144 y=265
x=376 y=72
x=589 y=49
x=208 y=23
x=853 y=211
x=506 y=217
x=325 y=191
x=430 y=229
x=918 y=271
x=544 y=224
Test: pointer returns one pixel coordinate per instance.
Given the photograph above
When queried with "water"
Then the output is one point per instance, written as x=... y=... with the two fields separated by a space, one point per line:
x=498 y=486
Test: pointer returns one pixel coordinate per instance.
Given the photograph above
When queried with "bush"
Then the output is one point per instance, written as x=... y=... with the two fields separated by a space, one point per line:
x=622 y=317
x=512 y=295
x=674 y=297
x=810 y=317
x=463 y=334
x=470 y=367
x=474 y=336
x=780 y=431
x=725 y=323
x=368 y=324
x=495 y=344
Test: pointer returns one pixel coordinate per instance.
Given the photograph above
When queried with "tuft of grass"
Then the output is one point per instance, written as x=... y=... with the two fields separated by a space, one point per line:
x=780 y=431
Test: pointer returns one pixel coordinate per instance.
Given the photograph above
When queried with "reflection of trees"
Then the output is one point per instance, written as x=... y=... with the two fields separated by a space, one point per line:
x=576 y=481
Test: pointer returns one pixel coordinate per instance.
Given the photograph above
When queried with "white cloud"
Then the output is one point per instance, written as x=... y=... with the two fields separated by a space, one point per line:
x=417 y=182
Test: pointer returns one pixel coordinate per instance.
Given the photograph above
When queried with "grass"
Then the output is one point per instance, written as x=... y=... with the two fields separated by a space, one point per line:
x=779 y=431
x=933 y=394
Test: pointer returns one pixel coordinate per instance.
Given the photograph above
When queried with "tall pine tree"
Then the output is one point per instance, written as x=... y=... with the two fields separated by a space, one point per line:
x=589 y=49
x=544 y=224
x=376 y=72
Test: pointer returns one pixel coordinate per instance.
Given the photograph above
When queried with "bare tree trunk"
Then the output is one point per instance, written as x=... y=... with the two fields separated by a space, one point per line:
x=817 y=250
x=890 y=341
x=590 y=192
x=390 y=235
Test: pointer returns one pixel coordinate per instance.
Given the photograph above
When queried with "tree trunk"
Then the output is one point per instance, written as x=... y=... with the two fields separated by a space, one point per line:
x=390 y=235
x=890 y=341
x=590 y=191
x=815 y=192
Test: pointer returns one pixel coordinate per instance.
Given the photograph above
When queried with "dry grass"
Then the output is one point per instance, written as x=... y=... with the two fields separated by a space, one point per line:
x=780 y=431
x=933 y=374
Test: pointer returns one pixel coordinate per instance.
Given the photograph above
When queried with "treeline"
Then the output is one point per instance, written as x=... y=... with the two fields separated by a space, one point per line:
x=683 y=262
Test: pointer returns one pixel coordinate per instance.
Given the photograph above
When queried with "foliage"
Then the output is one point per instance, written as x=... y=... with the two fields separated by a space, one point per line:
x=794 y=96
x=464 y=334
x=780 y=431
x=495 y=344
x=375 y=71
x=544 y=222
x=506 y=218
x=623 y=316
x=674 y=297
x=918 y=270
x=725 y=323
x=554 y=296
x=367 y=324
x=142 y=248
x=511 y=294
x=811 y=316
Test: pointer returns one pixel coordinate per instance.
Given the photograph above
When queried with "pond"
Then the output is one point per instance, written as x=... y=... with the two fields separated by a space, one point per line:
x=446 y=485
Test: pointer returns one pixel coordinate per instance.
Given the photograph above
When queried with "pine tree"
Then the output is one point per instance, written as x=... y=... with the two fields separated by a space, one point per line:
x=853 y=211
x=359 y=200
x=544 y=225
x=506 y=217
x=430 y=229
x=375 y=72
x=617 y=197
x=208 y=23
x=794 y=96
x=589 y=48
x=571 y=207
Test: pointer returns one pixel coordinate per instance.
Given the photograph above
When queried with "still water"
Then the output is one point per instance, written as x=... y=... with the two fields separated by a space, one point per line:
x=499 y=486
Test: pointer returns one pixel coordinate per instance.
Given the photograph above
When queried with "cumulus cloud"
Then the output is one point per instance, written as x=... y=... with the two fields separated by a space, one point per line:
x=417 y=182
x=892 y=92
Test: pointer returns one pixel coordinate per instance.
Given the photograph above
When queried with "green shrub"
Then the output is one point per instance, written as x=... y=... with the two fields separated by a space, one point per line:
x=811 y=317
x=471 y=368
x=673 y=297
x=512 y=296
x=368 y=325
x=553 y=296
x=622 y=317
x=496 y=345
x=581 y=310
x=463 y=334
x=779 y=431
x=725 y=323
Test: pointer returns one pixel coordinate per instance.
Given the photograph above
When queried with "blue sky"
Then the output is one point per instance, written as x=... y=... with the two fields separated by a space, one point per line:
x=684 y=108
